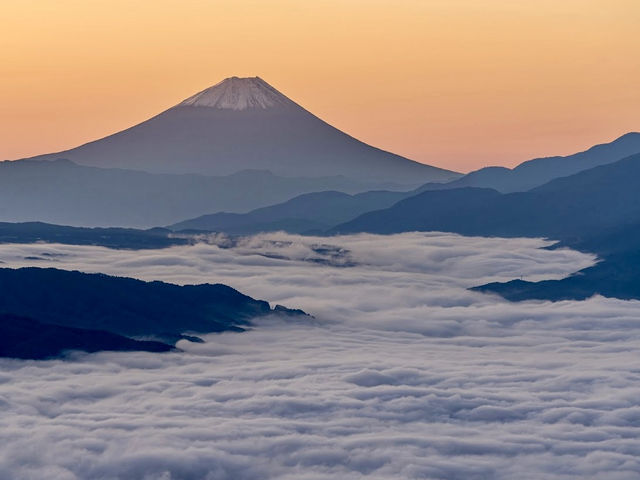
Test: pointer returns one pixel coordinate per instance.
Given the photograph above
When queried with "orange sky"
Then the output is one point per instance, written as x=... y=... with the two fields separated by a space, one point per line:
x=455 y=83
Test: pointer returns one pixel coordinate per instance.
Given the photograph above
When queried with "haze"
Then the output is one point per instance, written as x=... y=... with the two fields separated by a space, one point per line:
x=457 y=84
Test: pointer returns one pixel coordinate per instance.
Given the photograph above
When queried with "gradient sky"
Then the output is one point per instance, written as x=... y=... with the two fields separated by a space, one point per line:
x=455 y=83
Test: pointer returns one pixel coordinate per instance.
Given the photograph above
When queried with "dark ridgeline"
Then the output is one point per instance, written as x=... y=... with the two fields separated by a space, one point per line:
x=596 y=210
x=536 y=172
x=25 y=338
x=582 y=204
x=617 y=275
x=308 y=213
x=122 y=306
x=116 y=238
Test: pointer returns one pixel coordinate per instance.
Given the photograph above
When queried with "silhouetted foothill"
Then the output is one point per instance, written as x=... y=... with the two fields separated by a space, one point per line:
x=27 y=338
x=125 y=306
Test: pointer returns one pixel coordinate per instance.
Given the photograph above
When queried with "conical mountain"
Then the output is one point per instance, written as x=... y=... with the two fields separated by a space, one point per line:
x=246 y=124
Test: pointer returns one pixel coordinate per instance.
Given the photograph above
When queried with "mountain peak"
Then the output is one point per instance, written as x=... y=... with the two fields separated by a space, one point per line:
x=238 y=93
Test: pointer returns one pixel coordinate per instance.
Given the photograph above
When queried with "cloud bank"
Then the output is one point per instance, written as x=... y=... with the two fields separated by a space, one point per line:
x=403 y=374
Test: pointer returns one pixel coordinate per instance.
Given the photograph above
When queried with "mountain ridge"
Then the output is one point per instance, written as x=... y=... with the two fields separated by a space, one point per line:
x=538 y=171
x=127 y=306
x=556 y=208
x=305 y=213
x=26 y=338
x=63 y=192
x=595 y=210
x=315 y=211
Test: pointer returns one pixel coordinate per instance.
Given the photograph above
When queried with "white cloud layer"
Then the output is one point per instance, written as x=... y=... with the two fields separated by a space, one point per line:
x=403 y=374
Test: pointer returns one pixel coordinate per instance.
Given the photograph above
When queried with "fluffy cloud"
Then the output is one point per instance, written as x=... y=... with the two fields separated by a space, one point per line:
x=403 y=374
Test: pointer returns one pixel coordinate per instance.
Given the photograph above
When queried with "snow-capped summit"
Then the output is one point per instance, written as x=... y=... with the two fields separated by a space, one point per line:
x=246 y=124
x=236 y=93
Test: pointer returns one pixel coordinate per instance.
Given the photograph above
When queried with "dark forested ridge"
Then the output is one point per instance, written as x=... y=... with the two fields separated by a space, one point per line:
x=25 y=338
x=125 y=306
x=616 y=275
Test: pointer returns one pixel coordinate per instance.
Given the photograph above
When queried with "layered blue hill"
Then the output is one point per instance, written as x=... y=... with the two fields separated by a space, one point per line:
x=305 y=213
x=536 y=172
x=63 y=192
x=584 y=203
x=596 y=210
x=310 y=213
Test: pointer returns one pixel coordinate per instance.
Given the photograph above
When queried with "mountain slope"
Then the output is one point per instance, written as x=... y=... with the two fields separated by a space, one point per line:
x=539 y=171
x=125 y=306
x=244 y=123
x=597 y=210
x=26 y=338
x=602 y=197
x=312 y=211
x=616 y=275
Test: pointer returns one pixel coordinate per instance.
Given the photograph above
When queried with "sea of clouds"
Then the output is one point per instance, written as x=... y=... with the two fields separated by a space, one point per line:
x=403 y=372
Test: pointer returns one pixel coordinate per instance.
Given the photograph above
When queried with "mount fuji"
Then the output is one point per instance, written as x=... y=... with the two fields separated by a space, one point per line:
x=246 y=124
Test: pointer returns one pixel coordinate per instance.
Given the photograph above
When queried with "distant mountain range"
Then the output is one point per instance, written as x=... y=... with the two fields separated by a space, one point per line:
x=96 y=312
x=536 y=172
x=311 y=213
x=264 y=149
x=596 y=210
x=116 y=238
x=63 y=192
x=243 y=124
x=584 y=203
